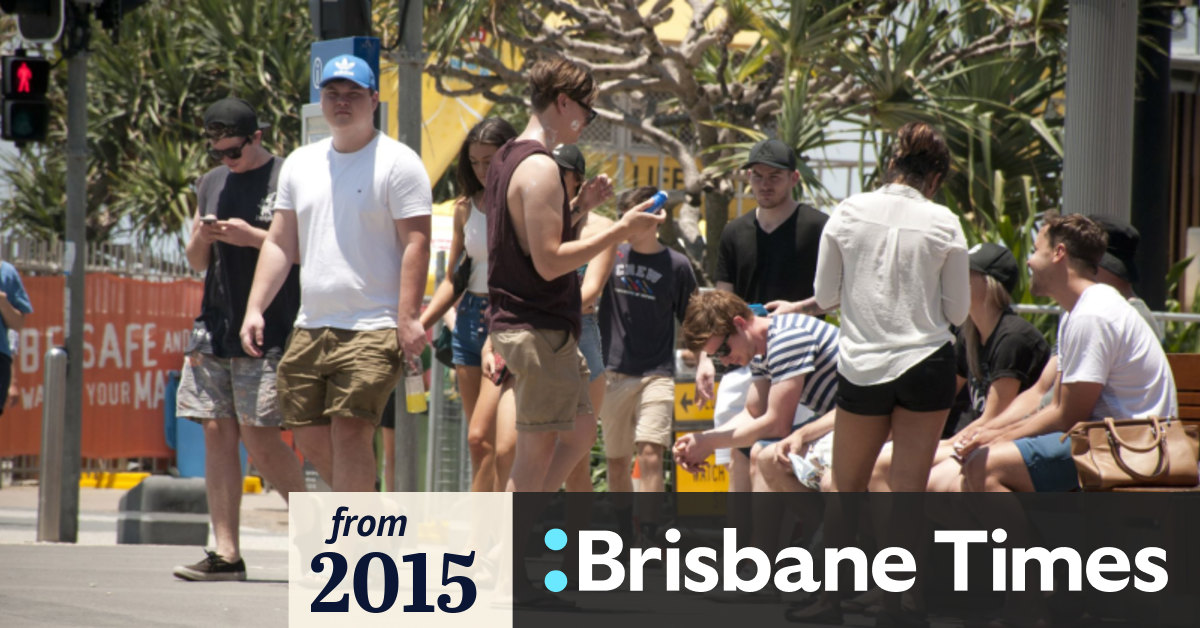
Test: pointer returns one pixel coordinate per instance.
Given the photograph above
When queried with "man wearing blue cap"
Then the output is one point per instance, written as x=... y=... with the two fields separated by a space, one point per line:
x=353 y=210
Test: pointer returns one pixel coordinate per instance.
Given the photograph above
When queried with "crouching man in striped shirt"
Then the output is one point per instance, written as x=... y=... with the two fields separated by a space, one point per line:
x=793 y=358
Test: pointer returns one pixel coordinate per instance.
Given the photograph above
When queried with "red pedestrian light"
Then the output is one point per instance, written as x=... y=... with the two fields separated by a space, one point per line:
x=26 y=114
x=25 y=77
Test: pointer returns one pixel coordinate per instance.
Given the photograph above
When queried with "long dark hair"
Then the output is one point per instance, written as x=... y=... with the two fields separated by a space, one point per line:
x=490 y=131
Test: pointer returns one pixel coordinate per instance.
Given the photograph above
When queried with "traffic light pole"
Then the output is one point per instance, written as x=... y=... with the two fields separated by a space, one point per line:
x=73 y=259
x=409 y=64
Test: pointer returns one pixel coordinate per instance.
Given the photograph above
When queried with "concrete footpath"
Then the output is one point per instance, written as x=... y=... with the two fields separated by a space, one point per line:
x=96 y=582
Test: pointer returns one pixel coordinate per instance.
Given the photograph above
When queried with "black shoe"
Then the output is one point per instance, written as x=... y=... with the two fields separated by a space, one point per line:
x=212 y=569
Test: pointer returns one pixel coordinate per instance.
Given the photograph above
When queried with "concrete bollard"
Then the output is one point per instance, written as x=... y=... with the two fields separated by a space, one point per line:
x=163 y=510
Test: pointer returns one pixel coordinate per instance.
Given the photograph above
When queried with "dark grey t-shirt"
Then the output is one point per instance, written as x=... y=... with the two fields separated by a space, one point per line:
x=644 y=296
x=249 y=196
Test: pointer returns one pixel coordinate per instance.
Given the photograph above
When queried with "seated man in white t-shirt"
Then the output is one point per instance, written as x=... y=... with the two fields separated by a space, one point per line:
x=1110 y=364
x=793 y=358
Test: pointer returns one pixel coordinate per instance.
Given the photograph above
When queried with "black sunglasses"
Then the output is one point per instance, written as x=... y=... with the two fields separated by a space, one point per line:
x=230 y=153
x=722 y=351
x=591 y=113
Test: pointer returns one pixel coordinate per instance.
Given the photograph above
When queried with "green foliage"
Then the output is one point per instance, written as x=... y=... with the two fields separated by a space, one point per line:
x=1180 y=337
x=146 y=96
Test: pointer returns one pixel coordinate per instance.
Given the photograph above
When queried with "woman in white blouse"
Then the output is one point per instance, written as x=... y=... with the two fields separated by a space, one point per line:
x=896 y=263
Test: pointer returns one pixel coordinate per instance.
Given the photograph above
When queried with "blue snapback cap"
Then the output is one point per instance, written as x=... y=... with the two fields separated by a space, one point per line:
x=350 y=68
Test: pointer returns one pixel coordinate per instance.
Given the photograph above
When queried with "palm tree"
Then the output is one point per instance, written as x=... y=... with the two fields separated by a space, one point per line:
x=983 y=70
x=146 y=94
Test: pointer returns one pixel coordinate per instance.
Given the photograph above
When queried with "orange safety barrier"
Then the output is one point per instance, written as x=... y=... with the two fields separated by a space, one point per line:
x=134 y=332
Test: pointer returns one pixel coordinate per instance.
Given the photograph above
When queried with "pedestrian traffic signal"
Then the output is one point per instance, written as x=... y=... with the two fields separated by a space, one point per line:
x=37 y=20
x=26 y=112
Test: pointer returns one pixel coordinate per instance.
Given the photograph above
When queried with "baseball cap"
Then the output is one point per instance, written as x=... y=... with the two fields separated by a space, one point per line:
x=569 y=157
x=232 y=117
x=995 y=261
x=773 y=153
x=1122 y=247
x=350 y=68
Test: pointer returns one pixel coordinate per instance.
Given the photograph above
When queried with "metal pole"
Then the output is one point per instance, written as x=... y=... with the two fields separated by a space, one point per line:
x=1098 y=165
x=437 y=398
x=51 y=483
x=76 y=253
x=409 y=62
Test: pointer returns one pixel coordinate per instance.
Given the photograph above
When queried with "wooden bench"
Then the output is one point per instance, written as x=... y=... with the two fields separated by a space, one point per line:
x=1186 y=368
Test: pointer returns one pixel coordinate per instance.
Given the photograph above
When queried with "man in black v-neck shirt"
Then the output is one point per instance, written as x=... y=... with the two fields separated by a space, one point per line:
x=769 y=254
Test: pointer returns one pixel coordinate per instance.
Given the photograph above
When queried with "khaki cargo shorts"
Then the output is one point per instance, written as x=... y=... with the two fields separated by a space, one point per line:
x=636 y=410
x=551 y=377
x=329 y=372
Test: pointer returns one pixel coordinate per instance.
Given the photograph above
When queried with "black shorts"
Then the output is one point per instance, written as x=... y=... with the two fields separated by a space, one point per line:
x=926 y=387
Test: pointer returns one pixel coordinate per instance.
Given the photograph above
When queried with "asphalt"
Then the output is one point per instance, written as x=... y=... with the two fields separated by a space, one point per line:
x=96 y=582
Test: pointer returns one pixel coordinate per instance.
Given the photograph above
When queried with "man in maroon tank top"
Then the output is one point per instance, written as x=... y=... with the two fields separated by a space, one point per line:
x=532 y=286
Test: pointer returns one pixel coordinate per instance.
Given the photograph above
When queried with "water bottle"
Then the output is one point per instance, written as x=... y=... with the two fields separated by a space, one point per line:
x=414 y=387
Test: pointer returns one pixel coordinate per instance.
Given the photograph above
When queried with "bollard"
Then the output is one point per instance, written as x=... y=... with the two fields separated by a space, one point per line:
x=51 y=495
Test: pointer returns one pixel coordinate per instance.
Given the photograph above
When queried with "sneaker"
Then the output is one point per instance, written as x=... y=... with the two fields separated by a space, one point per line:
x=212 y=569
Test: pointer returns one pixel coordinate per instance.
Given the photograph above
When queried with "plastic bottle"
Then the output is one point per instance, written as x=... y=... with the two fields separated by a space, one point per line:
x=414 y=387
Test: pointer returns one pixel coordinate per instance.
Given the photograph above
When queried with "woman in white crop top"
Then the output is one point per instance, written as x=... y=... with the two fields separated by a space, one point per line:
x=479 y=395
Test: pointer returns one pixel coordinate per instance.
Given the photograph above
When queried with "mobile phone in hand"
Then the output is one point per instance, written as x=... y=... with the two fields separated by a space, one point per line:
x=208 y=219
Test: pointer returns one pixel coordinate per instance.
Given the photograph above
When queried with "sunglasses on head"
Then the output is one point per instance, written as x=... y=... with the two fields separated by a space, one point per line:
x=228 y=153
x=722 y=350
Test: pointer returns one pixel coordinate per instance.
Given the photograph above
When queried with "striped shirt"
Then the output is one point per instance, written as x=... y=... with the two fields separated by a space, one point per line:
x=802 y=345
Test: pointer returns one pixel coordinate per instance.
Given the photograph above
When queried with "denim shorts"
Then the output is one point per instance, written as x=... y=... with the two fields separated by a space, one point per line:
x=589 y=346
x=470 y=330
x=1048 y=460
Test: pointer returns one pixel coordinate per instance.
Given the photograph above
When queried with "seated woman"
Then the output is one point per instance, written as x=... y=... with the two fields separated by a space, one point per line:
x=999 y=354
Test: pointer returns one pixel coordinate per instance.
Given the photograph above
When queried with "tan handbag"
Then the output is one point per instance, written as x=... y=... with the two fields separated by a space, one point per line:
x=1135 y=452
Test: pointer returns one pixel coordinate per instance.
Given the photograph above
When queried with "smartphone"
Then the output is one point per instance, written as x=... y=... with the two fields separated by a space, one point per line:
x=660 y=199
x=208 y=219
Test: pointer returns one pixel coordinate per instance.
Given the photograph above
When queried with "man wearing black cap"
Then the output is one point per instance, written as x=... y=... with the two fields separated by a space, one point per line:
x=769 y=254
x=593 y=276
x=1118 y=269
x=230 y=393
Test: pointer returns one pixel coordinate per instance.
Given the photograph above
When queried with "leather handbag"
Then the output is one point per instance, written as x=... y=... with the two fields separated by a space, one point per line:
x=1135 y=452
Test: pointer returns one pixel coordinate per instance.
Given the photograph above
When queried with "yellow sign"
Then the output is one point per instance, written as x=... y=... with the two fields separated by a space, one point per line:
x=687 y=407
x=713 y=478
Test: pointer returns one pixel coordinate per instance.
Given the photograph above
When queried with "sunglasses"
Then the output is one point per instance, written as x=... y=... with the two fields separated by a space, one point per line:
x=722 y=351
x=228 y=153
x=591 y=113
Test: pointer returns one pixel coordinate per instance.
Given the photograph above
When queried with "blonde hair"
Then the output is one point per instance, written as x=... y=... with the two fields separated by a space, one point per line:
x=997 y=298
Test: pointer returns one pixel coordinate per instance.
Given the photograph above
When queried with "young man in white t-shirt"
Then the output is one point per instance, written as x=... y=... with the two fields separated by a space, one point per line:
x=353 y=210
x=1110 y=365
